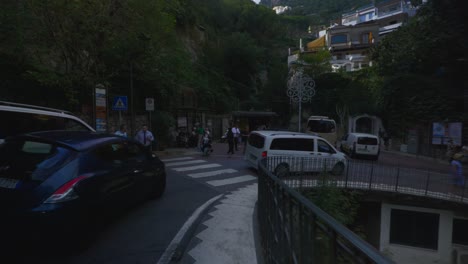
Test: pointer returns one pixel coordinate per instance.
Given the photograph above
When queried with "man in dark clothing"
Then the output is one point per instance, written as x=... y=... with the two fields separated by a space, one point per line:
x=230 y=140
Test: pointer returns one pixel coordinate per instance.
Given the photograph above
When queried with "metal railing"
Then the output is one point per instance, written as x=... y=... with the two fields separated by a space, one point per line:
x=369 y=175
x=294 y=230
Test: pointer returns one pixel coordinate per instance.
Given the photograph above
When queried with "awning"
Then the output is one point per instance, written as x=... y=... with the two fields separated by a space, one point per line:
x=317 y=44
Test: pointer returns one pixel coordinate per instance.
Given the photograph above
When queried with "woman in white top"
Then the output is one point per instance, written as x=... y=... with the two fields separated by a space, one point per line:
x=122 y=131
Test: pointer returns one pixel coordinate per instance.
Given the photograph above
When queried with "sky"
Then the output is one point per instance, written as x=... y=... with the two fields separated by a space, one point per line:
x=256 y=1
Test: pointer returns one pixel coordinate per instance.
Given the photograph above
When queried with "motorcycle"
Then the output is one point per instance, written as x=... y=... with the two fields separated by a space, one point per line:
x=207 y=148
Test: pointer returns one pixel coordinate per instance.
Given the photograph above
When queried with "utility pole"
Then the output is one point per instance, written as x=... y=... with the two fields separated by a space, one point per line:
x=132 y=108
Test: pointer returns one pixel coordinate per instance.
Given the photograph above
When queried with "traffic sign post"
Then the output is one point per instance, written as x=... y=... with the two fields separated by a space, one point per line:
x=120 y=103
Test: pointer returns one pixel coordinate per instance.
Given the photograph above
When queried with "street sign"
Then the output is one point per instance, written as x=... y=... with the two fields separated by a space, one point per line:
x=120 y=103
x=149 y=104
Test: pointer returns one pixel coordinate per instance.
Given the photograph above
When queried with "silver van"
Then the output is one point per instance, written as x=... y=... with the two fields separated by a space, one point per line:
x=22 y=118
x=361 y=144
x=293 y=152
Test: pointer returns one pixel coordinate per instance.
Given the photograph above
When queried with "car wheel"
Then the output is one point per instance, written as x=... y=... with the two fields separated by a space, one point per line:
x=159 y=187
x=338 y=169
x=282 y=171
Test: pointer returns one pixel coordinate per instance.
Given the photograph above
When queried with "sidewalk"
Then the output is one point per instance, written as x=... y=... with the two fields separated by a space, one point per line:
x=422 y=157
x=224 y=229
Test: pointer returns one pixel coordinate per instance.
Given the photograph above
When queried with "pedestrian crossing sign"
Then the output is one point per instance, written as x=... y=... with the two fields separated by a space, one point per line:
x=120 y=103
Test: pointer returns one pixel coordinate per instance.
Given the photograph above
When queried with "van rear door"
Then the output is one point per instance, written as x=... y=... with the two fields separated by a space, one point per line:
x=254 y=149
x=367 y=145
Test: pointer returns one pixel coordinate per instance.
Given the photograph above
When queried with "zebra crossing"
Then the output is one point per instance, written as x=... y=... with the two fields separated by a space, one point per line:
x=213 y=174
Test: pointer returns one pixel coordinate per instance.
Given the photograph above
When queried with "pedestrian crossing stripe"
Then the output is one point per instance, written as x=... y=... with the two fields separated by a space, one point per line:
x=176 y=159
x=180 y=163
x=211 y=173
x=239 y=179
x=198 y=167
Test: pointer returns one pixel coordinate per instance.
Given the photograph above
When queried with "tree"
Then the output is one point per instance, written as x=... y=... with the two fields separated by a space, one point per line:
x=422 y=80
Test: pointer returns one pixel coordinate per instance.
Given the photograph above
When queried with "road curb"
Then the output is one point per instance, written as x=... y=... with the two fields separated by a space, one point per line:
x=177 y=247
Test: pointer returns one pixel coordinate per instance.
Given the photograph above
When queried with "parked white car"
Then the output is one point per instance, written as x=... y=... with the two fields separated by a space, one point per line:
x=288 y=152
x=22 y=118
x=361 y=144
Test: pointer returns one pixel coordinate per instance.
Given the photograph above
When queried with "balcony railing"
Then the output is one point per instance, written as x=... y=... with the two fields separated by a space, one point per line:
x=294 y=230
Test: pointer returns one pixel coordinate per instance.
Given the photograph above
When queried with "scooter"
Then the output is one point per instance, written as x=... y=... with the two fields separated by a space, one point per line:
x=206 y=148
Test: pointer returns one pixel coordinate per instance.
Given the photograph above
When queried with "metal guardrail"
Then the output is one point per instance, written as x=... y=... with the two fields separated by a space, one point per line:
x=368 y=175
x=294 y=230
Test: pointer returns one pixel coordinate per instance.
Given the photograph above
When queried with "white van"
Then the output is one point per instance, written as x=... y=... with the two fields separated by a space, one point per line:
x=22 y=118
x=324 y=127
x=293 y=152
x=361 y=144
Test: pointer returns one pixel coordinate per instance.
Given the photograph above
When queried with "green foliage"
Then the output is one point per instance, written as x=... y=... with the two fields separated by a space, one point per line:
x=340 y=204
x=420 y=66
x=161 y=123
x=317 y=63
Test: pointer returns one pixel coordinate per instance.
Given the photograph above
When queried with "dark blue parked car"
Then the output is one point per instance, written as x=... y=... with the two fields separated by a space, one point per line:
x=59 y=180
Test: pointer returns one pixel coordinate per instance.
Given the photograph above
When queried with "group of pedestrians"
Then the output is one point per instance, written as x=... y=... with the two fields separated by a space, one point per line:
x=144 y=136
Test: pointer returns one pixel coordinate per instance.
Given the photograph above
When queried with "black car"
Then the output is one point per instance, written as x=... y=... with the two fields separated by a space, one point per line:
x=59 y=180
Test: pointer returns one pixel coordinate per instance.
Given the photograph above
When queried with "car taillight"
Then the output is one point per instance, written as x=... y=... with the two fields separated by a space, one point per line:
x=264 y=154
x=65 y=192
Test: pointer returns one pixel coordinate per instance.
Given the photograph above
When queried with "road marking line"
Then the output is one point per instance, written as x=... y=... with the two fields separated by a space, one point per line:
x=184 y=231
x=184 y=163
x=176 y=159
x=231 y=180
x=211 y=173
x=206 y=166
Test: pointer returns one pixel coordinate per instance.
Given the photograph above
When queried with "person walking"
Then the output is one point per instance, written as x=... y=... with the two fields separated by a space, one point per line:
x=386 y=139
x=230 y=140
x=145 y=137
x=456 y=169
x=236 y=133
x=122 y=131
x=200 y=133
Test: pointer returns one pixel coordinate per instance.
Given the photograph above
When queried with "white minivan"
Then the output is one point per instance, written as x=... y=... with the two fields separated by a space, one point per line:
x=293 y=152
x=361 y=144
x=22 y=118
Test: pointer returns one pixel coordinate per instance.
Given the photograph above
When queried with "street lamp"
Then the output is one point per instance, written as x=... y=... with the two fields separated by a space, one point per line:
x=300 y=89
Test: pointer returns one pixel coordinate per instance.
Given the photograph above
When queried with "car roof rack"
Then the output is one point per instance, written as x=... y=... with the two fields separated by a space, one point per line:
x=35 y=107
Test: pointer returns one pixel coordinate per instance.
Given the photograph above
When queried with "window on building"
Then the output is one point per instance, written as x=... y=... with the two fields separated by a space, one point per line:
x=417 y=229
x=460 y=231
x=338 y=39
x=365 y=38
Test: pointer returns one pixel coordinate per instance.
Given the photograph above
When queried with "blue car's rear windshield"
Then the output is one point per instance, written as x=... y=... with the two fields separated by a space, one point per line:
x=31 y=160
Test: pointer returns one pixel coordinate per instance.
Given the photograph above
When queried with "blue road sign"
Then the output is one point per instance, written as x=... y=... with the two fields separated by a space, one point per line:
x=120 y=103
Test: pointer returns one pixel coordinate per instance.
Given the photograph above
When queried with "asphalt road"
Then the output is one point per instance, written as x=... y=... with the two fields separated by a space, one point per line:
x=138 y=235
x=142 y=233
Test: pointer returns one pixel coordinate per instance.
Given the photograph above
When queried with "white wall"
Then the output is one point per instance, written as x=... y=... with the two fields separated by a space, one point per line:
x=413 y=255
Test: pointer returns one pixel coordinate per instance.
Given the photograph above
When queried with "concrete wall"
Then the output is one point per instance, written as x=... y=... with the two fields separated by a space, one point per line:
x=413 y=255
